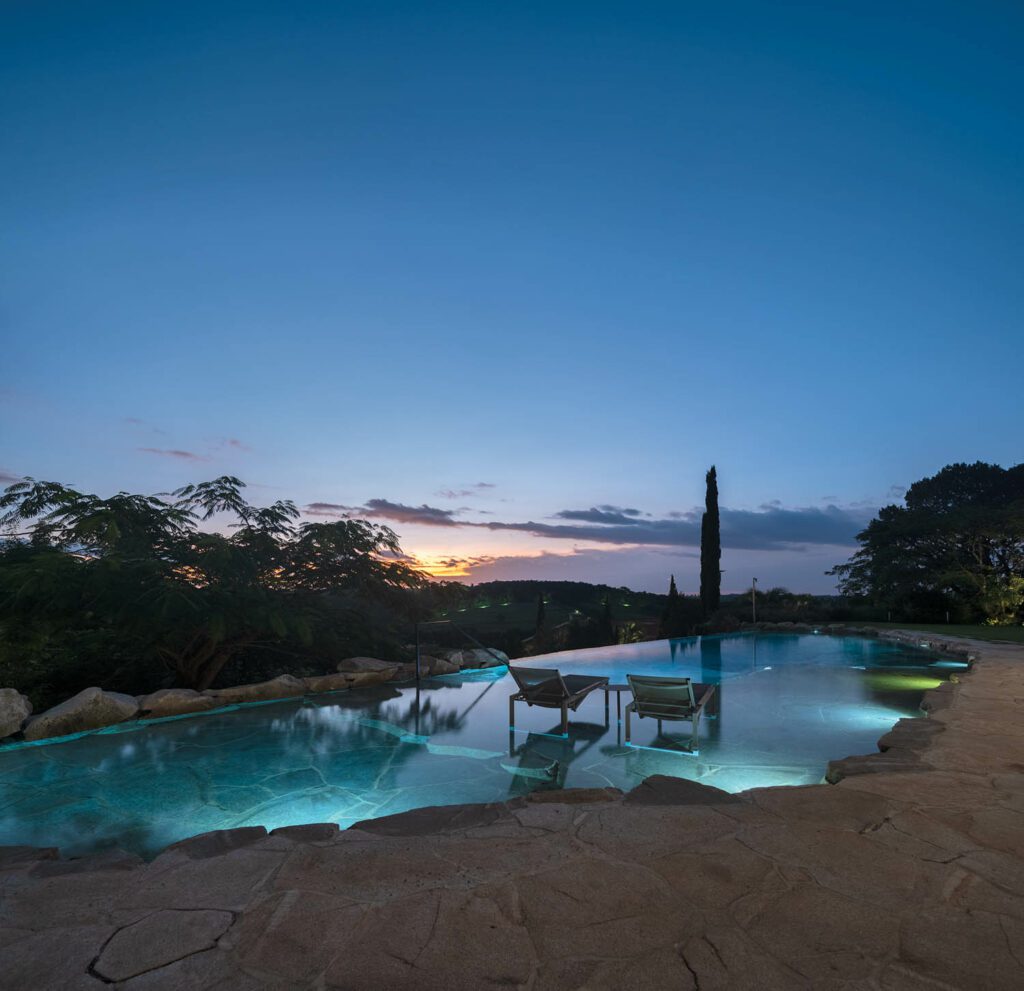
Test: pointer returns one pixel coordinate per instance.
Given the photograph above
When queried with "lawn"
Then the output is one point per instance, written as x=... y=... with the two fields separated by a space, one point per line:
x=1007 y=634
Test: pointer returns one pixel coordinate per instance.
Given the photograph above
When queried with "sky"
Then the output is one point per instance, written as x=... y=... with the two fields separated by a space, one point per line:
x=510 y=278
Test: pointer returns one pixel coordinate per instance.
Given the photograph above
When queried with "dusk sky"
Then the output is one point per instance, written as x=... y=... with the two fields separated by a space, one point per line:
x=511 y=277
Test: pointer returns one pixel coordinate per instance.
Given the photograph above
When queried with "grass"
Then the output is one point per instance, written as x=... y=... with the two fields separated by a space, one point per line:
x=1006 y=634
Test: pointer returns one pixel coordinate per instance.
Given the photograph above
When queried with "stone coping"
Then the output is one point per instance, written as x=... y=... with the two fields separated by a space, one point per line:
x=905 y=877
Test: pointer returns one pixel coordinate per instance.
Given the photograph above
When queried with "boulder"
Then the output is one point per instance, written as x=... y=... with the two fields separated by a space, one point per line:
x=477 y=657
x=173 y=702
x=360 y=679
x=14 y=710
x=438 y=665
x=368 y=664
x=91 y=708
x=327 y=683
x=282 y=687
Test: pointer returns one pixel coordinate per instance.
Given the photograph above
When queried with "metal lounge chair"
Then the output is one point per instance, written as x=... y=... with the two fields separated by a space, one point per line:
x=550 y=690
x=668 y=698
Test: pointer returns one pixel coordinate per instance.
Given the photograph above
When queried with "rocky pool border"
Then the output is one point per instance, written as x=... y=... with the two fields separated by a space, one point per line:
x=95 y=710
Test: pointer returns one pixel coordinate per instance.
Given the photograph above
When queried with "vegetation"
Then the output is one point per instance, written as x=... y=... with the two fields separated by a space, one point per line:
x=955 y=551
x=132 y=592
x=996 y=634
x=129 y=592
x=710 y=548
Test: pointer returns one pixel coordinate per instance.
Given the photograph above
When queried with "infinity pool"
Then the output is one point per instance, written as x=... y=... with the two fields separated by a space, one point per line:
x=786 y=705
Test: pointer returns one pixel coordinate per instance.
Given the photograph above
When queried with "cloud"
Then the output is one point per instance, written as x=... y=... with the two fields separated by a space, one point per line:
x=145 y=425
x=772 y=527
x=181 y=455
x=601 y=514
x=8 y=478
x=384 y=509
x=456 y=493
x=234 y=443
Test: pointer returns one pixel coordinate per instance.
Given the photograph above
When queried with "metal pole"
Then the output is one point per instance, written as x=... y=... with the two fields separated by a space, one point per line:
x=753 y=600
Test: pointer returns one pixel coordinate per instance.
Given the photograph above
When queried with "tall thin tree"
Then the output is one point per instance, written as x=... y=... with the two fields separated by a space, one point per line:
x=710 y=548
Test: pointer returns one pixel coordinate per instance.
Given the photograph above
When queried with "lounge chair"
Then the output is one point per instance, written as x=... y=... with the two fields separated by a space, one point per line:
x=668 y=698
x=550 y=690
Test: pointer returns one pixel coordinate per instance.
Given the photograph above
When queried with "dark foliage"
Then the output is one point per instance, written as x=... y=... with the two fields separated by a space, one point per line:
x=956 y=547
x=129 y=593
x=710 y=548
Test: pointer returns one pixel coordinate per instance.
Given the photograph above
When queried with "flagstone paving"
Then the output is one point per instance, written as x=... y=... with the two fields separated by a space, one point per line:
x=908 y=873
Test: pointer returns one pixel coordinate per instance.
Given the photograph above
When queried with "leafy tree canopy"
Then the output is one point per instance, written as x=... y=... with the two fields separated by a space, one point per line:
x=134 y=577
x=957 y=546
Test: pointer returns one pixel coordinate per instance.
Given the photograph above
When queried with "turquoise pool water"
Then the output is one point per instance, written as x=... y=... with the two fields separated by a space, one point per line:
x=786 y=705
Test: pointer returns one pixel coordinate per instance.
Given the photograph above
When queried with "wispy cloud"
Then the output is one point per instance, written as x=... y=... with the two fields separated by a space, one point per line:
x=234 y=444
x=134 y=421
x=9 y=478
x=171 y=453
x=461 y=493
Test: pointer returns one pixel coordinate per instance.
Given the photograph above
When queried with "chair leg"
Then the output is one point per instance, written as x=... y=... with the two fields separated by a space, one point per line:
x=565 y=719
x=511 y=712
x=627 y=724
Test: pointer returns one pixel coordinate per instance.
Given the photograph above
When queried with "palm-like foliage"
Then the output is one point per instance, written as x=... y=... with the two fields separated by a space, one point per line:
x=141 y=569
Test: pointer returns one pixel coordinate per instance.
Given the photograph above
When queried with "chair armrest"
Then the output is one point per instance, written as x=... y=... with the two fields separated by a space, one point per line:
x=705 y=698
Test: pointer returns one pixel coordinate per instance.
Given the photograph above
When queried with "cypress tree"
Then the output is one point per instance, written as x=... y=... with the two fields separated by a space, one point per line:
x=541 y=617
x=710 y=548
x=670 y=616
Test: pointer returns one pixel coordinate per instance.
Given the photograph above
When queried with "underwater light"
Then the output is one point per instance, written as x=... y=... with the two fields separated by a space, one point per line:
x=902 y=682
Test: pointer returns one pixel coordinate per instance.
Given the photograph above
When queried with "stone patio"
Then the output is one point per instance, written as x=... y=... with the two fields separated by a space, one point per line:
x=908 y=873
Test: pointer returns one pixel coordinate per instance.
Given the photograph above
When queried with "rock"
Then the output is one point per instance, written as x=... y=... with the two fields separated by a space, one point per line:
x=217 y=841
x=282 y=687
x=327 y=683
x=478 y=657
x=310 y=832
x=374 y=664
x=661 y=789
x=361 y=679
x=910 y=734
x=91 y=708
x=10 y=855
x=437 y=819
x=15 y=708
x=893 y=759
x=438 y=665
x=173 y=702
x=160 y=939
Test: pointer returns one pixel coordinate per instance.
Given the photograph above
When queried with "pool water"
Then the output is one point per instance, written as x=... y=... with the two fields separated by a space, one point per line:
x=786 y=705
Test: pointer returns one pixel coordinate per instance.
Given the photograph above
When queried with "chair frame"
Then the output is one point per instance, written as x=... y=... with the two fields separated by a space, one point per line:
x=552 y=692
x=674 y=712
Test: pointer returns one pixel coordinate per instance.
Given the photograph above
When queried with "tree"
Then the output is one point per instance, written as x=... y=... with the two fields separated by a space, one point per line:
x=135 y=576
x=956 y=546
x=670 y=615
x=710 y=548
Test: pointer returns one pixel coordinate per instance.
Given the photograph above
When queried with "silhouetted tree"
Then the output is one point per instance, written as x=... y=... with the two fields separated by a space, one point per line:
x=957 y=546
x=134 y=580
x=710 y=548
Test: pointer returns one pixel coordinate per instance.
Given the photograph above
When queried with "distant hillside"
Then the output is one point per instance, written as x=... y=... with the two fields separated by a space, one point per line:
x=504 y=613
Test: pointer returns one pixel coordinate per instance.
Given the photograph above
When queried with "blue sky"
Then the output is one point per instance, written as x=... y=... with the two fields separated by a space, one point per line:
x=370 y=256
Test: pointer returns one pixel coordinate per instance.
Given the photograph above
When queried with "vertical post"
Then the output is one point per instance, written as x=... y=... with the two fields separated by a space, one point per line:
x=753 y=600
x=417 y=653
